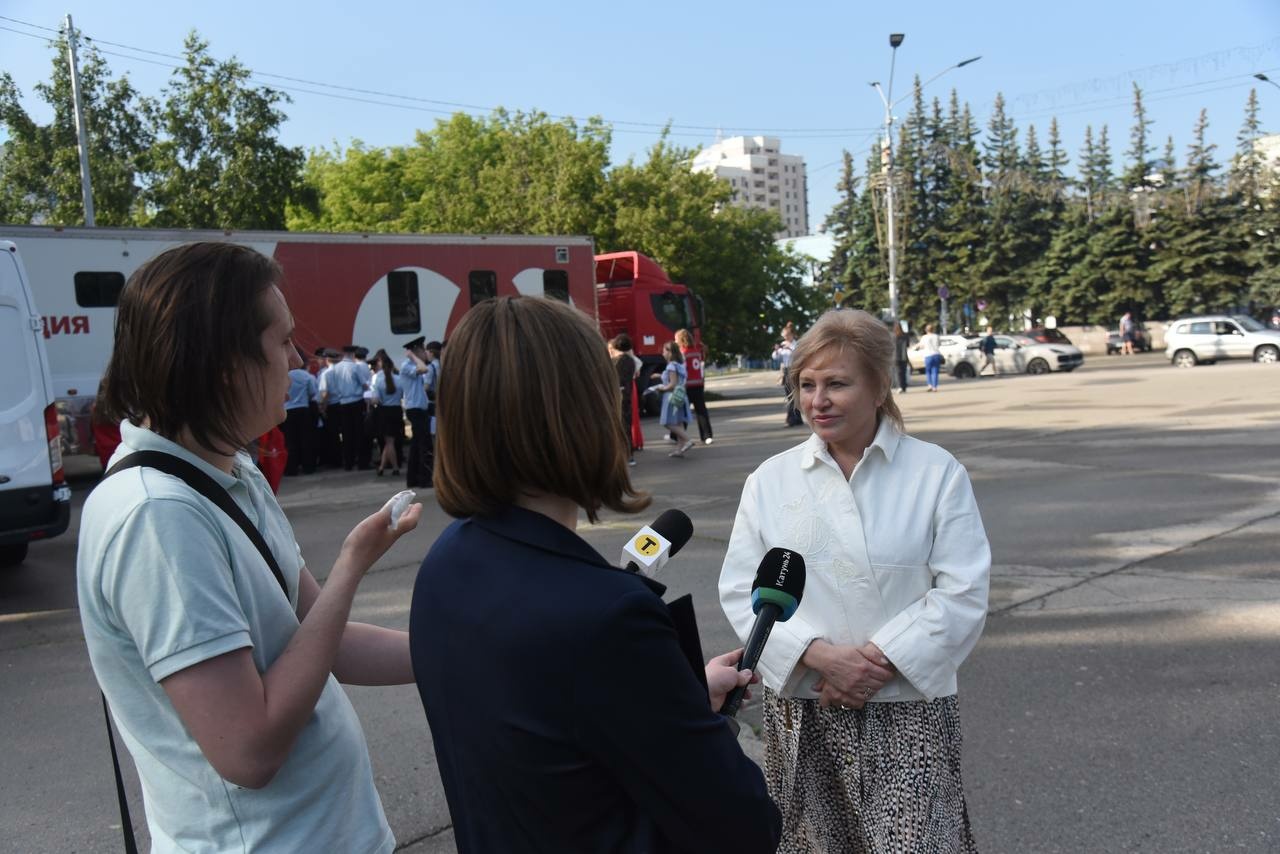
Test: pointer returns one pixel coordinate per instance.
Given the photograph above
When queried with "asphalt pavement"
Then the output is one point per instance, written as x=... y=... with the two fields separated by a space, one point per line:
x=1122 y=697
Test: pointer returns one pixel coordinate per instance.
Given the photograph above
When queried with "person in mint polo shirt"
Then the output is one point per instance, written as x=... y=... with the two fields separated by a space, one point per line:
x=223 y=678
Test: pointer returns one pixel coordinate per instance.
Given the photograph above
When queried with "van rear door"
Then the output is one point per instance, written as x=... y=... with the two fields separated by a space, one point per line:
x=34 y=500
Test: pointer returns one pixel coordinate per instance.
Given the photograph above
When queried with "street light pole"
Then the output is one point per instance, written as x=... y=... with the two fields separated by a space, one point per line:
x=82 y=127
x=886 y=163
x=1265 y=79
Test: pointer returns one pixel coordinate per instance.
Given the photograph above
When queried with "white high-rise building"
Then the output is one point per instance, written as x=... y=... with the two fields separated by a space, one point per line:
x=761 y=177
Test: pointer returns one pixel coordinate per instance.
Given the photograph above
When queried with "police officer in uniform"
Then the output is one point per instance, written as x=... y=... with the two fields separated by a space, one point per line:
x=330 y=429
x=344 y=382
x=412 y=378
x=368 y=426
x=300 y=422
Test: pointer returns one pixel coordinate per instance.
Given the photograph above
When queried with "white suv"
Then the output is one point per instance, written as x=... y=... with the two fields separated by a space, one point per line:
x=1192 y=340
x=35 y=501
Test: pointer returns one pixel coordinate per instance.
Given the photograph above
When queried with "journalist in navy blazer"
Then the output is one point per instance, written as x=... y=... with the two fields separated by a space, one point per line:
x=565 y=714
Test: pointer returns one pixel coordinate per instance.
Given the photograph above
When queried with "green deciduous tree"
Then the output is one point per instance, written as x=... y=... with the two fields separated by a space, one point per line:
x=40 y=164
x=218 y=162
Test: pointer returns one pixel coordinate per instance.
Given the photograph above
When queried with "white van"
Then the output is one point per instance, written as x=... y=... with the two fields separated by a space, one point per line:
x=35 y=501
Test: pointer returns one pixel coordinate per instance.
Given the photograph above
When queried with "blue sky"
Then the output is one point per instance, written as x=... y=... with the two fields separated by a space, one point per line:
x=747 y=67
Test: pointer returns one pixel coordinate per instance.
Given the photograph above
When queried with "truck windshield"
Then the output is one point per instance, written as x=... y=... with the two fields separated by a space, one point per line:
x=672 y=310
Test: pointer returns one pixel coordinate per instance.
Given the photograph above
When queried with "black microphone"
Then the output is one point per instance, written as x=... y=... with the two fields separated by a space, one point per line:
x=650 y=549
x=775 y=596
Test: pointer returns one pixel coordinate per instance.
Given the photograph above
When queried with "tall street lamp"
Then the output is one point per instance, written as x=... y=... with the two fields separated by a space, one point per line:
x=1265 y=79
x=886 y=161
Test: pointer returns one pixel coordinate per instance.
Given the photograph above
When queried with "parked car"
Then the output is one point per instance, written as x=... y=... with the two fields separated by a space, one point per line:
x=1208 y=338
x=1018 y=354
x=1141 y=340
x=952 y=348
x=1045 y=335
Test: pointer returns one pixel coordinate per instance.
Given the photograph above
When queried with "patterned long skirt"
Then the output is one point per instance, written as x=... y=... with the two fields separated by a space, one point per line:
x=884 y=779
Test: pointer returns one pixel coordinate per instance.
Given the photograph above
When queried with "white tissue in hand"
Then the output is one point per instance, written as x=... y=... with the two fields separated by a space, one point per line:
x=398 y=504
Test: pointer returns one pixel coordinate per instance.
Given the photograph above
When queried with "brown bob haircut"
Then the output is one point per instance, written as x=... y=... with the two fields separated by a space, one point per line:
x=188 y=324
x=529 y=403
x=853 y=333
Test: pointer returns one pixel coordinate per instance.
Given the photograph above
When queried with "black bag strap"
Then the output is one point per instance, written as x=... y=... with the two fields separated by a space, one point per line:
x=212 y=490
x=126 y=823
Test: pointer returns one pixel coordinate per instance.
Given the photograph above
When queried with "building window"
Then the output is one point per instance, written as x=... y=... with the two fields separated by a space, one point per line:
x=402 y=302
x=483 y=285
x=555 y=284
x=98 y=290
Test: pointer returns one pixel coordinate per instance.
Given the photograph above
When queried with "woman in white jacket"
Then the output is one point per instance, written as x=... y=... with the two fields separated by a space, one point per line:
x=861 y=720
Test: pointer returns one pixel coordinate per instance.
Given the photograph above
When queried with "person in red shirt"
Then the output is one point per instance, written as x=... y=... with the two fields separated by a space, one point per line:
x=694 y=385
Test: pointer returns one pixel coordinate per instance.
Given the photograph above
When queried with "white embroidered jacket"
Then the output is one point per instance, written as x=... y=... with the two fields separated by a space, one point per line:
x=896 y=555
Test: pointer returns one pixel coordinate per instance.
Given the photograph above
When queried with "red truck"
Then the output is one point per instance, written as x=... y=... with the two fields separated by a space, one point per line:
x=635 y=296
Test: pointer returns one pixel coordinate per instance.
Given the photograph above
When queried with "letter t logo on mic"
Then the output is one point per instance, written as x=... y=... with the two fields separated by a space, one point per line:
x=653 y=545
x=646 y=550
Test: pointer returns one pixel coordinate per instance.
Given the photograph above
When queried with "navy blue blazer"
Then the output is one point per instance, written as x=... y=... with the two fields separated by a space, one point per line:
x=565 y=716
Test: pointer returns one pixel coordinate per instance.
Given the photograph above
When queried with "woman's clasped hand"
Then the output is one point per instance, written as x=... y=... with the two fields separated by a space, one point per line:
x=851 y=675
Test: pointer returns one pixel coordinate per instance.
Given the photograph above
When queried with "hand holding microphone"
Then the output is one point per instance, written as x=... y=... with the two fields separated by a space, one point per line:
x=724 y=676
x=775 y=596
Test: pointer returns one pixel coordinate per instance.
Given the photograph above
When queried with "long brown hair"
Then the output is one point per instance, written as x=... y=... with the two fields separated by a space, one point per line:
x=388 y=370
x=529 y=403
x=188 y=324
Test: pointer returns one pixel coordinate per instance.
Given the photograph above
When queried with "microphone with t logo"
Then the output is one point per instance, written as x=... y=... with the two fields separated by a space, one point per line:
x=775 y=596
x=649 y=549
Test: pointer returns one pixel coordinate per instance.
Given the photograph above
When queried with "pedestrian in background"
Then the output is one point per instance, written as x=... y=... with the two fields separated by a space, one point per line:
x=930 y=348
x=330 y=412
x=901 y=362
x=625 y=370
x=782 y=355
x=431 y=387
x=694 y=364
x=989 y=352
x=300 y=421
x=368 y=424
x=675 y=398
x=346 y=381
x=389 y=412
x=861 y=721
x=1126 y=334
x=622 y=343
x=412 y=369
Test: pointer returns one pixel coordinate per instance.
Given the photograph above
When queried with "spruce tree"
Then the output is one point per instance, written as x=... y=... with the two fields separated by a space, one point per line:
x=1248 y=165
x=1139 y=164
x=1200 y=165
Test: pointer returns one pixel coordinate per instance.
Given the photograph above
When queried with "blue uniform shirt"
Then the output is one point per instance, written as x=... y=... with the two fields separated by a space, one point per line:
x=302 y=389
x=415 y=393
x=380 y=394
x=345 y=385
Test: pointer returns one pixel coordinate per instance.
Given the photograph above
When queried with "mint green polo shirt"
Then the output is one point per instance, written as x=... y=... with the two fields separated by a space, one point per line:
x=166 y=580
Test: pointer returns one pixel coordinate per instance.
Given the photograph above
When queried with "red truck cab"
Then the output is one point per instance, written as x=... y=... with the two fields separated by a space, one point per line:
x=634 y=295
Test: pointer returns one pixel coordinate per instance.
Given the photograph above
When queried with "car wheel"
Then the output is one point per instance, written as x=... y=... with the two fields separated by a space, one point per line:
x=1185 y=359
x=13 y=554
x=1038 y=366
x=964 y=371
x=1267 y=353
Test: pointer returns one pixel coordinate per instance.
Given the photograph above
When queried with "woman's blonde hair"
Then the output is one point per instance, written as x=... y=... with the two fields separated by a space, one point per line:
x=851 y=333
x=684 y=339
x=529 y=403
